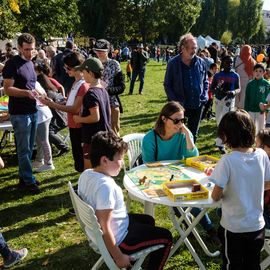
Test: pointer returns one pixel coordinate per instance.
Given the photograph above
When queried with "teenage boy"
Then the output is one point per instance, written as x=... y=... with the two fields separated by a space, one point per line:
x=96 y=111
x=123 y=233
x=256 y=94
x=225 y=86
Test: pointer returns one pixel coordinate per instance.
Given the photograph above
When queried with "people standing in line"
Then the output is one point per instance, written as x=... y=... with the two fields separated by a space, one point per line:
x=114 y=79
x=96 y=111
x=244 y=65
x=186 y=82
x=123 y=233
x=257 y=92
x=240 y=178
x=225 y=87
x=73 y=106
x=138 y=62
x=19 y=84
x=59 y=72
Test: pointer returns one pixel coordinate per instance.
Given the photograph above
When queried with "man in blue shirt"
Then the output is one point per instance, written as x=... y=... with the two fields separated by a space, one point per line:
x=186 y=82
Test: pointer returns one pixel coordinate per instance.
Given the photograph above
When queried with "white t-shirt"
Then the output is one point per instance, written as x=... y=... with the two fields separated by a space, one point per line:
x=101 y=192
x=242 y=176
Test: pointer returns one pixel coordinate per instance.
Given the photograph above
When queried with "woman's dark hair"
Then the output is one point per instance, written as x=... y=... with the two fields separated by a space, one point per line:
x=73 y=59
x=106 y=143
x=264 y=136
x=169 y=109
x=42 y=77
x=236 y=129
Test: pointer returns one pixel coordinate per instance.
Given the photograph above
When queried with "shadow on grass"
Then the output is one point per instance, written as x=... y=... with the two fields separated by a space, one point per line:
x=14 y=214
x=32 y=227
x=12 y=193
x=76 y=257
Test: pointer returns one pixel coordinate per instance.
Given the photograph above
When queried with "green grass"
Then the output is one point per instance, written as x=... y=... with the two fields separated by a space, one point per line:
x=42 y=222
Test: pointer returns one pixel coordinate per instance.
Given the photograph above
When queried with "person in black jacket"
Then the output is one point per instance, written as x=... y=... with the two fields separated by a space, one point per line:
x=114 y=79
x=139 y=59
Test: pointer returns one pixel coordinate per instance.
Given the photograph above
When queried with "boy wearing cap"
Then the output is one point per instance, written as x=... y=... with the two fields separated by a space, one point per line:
x=139 y=59
x=113 y=77
x=96 y=113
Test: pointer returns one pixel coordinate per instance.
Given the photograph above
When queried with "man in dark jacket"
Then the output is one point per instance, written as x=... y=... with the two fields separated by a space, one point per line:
x=186 y=82
x=138 y=62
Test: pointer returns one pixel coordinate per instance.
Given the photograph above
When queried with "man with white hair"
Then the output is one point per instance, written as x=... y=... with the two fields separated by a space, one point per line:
x=186 y=82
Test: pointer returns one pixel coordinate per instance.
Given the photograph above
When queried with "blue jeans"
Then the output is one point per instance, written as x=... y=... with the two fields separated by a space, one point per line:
x=25 y=126
x=205 y=222
x=135 y=74
x=194 y=117
x=4 y=249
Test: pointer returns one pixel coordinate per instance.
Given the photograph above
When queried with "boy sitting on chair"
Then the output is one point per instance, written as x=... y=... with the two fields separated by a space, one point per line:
x=123 y=233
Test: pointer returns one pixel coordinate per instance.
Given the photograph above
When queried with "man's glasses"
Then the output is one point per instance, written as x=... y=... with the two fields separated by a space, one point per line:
x=68 y=68
x=177 y=121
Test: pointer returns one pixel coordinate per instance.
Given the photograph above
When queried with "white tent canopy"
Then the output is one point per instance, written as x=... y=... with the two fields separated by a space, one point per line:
x=206 y=42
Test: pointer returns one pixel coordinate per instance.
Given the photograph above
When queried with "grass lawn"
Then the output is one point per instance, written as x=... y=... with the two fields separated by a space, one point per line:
x=42 y=223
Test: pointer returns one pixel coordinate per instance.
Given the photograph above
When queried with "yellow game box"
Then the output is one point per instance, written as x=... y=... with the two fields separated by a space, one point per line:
x=184 y=190
x=202 y=162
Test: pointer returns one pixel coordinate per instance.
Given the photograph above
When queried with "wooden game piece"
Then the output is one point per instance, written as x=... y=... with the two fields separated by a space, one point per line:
x=147 y=183
x=196 y=187
x=142 y=180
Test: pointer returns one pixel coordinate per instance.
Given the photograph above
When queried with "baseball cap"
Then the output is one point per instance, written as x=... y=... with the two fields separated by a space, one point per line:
x=91 y=64
x=102 y=45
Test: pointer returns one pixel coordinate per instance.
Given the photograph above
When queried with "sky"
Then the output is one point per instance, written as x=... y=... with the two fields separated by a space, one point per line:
x=266 y=4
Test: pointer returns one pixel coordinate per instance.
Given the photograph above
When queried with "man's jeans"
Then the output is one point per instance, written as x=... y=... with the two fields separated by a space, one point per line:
x=25 y=126
x=4 y=249
x=135 y=74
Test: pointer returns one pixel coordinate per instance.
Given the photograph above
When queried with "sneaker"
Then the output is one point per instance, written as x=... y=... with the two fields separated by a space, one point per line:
x=33 y=188
x=45 y=167
x=37 y=164
x=17 y=256
x=22 y=184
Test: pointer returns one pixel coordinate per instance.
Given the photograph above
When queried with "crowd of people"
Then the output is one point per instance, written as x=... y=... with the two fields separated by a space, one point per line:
x=49 y=90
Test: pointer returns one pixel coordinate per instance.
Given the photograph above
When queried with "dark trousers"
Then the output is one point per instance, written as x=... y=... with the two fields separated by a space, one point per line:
x=135 y=74
x=194 y=117
x=57 y=139
x=143 y=233
x=4 y=249
x=77 y=151
x=241 y=251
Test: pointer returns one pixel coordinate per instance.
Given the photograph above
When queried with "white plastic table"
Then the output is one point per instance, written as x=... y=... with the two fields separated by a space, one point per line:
x=184 y=208
x=6 y=127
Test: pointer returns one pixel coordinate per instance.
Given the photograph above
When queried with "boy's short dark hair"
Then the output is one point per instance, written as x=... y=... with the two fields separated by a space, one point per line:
x=258 y=65
x=213 y=65
x=106 y=143
x=25 y=38
x=264 y=136
x=236 y=129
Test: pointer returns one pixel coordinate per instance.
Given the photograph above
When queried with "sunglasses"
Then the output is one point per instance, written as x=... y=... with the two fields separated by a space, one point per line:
x=68 y=68
x=177 y=121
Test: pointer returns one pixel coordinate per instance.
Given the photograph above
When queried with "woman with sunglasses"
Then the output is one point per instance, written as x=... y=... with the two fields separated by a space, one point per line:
x=172 y=140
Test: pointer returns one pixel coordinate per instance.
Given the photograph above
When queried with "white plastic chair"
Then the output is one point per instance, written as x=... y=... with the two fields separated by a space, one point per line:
x=90 y=226
x=134 y=142
x=266 y=262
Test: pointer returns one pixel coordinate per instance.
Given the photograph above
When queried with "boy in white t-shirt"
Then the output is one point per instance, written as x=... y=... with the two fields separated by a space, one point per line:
x=240 y=179
x=123 y=233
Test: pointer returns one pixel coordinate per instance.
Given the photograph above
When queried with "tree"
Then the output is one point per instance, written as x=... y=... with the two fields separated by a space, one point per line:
x=226 y=37
x=249 y=18
x=49 y=18
x=8 y=21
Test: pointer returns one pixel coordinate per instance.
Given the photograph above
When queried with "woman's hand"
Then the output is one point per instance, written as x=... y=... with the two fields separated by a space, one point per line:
x=184 y=129
x=76 y=119
x=45 y=100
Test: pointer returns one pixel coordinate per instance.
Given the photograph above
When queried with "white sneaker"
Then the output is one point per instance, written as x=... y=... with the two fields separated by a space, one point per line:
x=45 y=167
x=37 y=164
